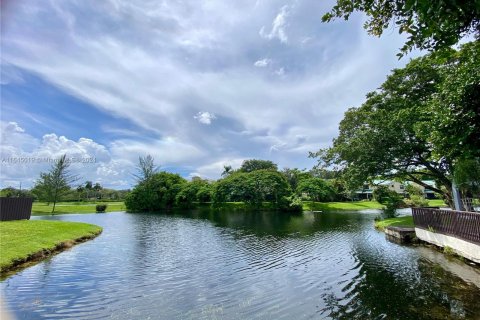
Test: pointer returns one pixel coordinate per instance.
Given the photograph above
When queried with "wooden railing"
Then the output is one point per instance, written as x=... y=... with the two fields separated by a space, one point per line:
x=461 y=224
x=15 y=208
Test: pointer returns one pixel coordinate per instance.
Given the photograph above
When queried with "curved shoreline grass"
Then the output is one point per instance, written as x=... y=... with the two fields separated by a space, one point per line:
x=405 y=221
x=26 y=241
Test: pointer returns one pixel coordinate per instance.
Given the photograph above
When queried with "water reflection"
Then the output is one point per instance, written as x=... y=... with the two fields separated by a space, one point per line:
x=206 y=264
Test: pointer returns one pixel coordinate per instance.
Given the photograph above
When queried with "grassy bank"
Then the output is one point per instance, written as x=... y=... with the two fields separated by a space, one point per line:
x=405 y=221
x=41 y=208
x=331 y=206
x=28 y=240
x=437 y=203
x=354 y=205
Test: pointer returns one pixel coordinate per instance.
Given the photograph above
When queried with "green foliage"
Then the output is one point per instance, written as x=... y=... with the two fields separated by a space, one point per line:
x=157 y=193
x=53 y=185
x=448 y=251
x=292 y=203
x=11 y=192
x=453 y=111
x=389 y=198
x=197 y=190
x=204 y=193
x=403 y=130
x=294 y=176
x=430 y=25
x=316 y=189
x=416 y=197
x=255 y=164
x=413 y=190
x=101 y=207
x=416 y=201
x=467 y=176
x=254 y=188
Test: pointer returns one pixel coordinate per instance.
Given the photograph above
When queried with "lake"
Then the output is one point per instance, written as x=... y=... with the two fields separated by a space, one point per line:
x=211 y=265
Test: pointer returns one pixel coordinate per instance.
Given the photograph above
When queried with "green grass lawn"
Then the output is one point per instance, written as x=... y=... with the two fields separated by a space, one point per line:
x=436 y=203
x=405 y=221
x=41 y=208
x=21 y=238
x=354 y=205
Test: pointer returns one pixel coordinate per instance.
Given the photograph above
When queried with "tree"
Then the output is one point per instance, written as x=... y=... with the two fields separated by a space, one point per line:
x=255 y=164
x=156 y=193
x=316 y=189
x=253 y=188
x=430 y=25
x=88 y=187
x=294 y=176
x=193 y=191
x=454 y=110
x=416 y=196
x=401 y=130
x=227 y=170
x=146 y=168
x=52 y=185
x=97 y=188
x=467 y=177
x=389 y=198
x=80 y=190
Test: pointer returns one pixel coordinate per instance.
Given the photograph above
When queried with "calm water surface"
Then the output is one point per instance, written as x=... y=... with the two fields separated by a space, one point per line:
x=206 y=265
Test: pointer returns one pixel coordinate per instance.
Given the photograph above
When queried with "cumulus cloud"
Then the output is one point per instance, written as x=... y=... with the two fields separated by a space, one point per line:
x=205 y=117
x=215 y=169
x=278 y=27
x=23 y=157
x=262 y=63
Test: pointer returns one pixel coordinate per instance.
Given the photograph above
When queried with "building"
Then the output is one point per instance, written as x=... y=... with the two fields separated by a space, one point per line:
x=367 y=191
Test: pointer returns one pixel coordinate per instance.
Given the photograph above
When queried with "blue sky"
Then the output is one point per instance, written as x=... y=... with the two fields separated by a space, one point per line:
x=197 y=84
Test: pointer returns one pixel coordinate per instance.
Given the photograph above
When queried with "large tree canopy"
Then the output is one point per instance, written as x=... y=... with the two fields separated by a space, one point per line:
x=255 y=164
x=156 y=193
x=416 y=126
x=430 y=25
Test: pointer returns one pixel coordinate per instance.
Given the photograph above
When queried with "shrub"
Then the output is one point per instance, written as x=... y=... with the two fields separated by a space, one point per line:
x=416 y=201
x=101 y=207
x=390 y=199
x=155 y=194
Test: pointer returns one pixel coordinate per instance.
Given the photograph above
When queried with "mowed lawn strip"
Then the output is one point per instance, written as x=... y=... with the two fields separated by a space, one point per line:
x=41 y=208
x=21 y=239
x=405 y=221
x=355 y=205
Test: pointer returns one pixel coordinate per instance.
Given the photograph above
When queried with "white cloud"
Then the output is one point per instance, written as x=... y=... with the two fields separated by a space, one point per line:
x=158 y=63
x=23 y=157
x=205 y=117
x=262 y=63
x=214 y=170
x=278 y=27
x=280 y=71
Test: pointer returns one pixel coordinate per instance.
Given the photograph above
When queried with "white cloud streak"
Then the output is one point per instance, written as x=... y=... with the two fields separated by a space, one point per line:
x=161 y=64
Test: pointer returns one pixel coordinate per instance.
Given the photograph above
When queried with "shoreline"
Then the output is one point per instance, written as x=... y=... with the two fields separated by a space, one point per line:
x=39 y=255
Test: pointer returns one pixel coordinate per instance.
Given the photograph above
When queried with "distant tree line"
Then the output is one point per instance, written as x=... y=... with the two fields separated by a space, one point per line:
x=257 y=184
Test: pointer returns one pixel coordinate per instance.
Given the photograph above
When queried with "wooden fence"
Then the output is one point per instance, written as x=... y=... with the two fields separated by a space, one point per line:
x=15 y=208
x=460 y=224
